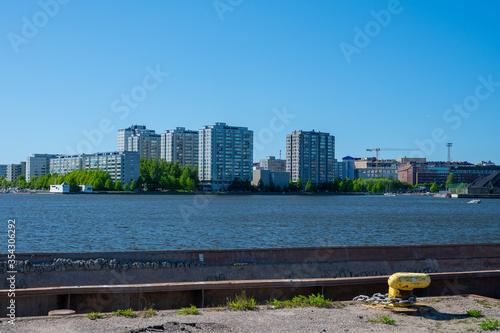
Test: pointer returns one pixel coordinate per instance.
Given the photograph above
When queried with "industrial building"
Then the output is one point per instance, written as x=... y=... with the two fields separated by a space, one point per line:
x=486 y=184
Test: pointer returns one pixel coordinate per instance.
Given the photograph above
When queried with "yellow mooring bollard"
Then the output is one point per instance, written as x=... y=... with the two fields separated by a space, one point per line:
x=401 y=285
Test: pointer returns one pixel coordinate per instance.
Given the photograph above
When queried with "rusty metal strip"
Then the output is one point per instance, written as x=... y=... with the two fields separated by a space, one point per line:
x=234 y=284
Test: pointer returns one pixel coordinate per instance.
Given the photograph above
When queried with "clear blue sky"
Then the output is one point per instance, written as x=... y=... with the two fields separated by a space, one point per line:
x=240 y=61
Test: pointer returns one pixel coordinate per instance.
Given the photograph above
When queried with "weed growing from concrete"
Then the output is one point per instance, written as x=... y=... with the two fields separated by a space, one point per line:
x=129 y=313
x=475 y=313
x=94 y=315
x=484 y=303
x=489 y=324
x=192 y=310
x=242 y=302
x=382 y=319
x=148 y=313
x=304 y=301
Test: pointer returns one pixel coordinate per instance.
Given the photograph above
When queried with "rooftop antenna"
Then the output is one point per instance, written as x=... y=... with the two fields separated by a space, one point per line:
x=280 y=154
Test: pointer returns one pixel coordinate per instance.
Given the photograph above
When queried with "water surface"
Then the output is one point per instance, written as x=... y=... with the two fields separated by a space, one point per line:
x=72 y=223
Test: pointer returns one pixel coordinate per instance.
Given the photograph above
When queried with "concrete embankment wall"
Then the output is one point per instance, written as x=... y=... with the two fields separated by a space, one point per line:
x=66 y=269
x=170 y=279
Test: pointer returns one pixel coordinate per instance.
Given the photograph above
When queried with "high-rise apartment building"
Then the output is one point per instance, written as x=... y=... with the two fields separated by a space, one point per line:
x=140 y=139
x=225 y=153
x=310 y=156
x=180 y=145
x=38 y=165
x=123 y=166
x=15 y=170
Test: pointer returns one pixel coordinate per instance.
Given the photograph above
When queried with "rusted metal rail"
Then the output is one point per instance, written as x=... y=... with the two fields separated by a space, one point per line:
x=39 y=301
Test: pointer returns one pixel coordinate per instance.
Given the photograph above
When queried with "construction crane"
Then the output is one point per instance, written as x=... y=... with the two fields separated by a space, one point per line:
x=376 y=150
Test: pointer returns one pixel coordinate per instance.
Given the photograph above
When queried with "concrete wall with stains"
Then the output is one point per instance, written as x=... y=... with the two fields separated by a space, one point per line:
x=69 y=269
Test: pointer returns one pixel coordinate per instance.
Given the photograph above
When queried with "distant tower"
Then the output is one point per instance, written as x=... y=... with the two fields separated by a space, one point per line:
x=449 y=156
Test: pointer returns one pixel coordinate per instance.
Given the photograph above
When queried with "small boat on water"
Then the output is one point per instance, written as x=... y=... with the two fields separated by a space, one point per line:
x=474 y=201
x=389 y=194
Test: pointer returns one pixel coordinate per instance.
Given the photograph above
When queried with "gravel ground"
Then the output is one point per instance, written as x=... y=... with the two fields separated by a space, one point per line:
x=448 y=315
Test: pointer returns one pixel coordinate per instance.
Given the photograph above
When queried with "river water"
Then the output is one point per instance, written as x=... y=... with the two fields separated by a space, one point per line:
x=74 y=223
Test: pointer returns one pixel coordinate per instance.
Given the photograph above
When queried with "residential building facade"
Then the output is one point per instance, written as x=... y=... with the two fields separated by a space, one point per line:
x=180 y=145
x=310 y=156
x=273 y=164
x=139 y=139
x=3 y=170
x=38 y=165
x=338 y=169
x=345 y=168
x=225 y=152
x=15 y=170
x=123 y=166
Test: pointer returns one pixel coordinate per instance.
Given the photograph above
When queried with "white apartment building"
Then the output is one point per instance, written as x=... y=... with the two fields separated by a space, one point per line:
x=140 y=139
x=123 y=166
x=180 y=145
x=38 y=165
x=15 y=170
x=225 y=152
x=310 y=156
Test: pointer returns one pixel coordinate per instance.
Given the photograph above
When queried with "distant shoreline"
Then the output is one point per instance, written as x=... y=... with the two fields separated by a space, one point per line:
x=469 y=196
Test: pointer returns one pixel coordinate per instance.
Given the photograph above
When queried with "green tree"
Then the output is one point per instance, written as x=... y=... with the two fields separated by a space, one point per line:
x=109 y=184
x=356 y=187
x=184 y=177
x=260 y=185
x=126 y=187
x=190 y=184
x=118 y=185
x=336 y=184
x=434 y=187
x=133 y=185
x=348 y=185
x=73 y=184
x=300 y=185
x=309 y=186
x=98 y=184
x=272 y=187
x=451 y=179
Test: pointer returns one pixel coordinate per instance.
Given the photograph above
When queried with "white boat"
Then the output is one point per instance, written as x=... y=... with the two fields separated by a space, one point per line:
x=474 y=201
x=388 y=194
